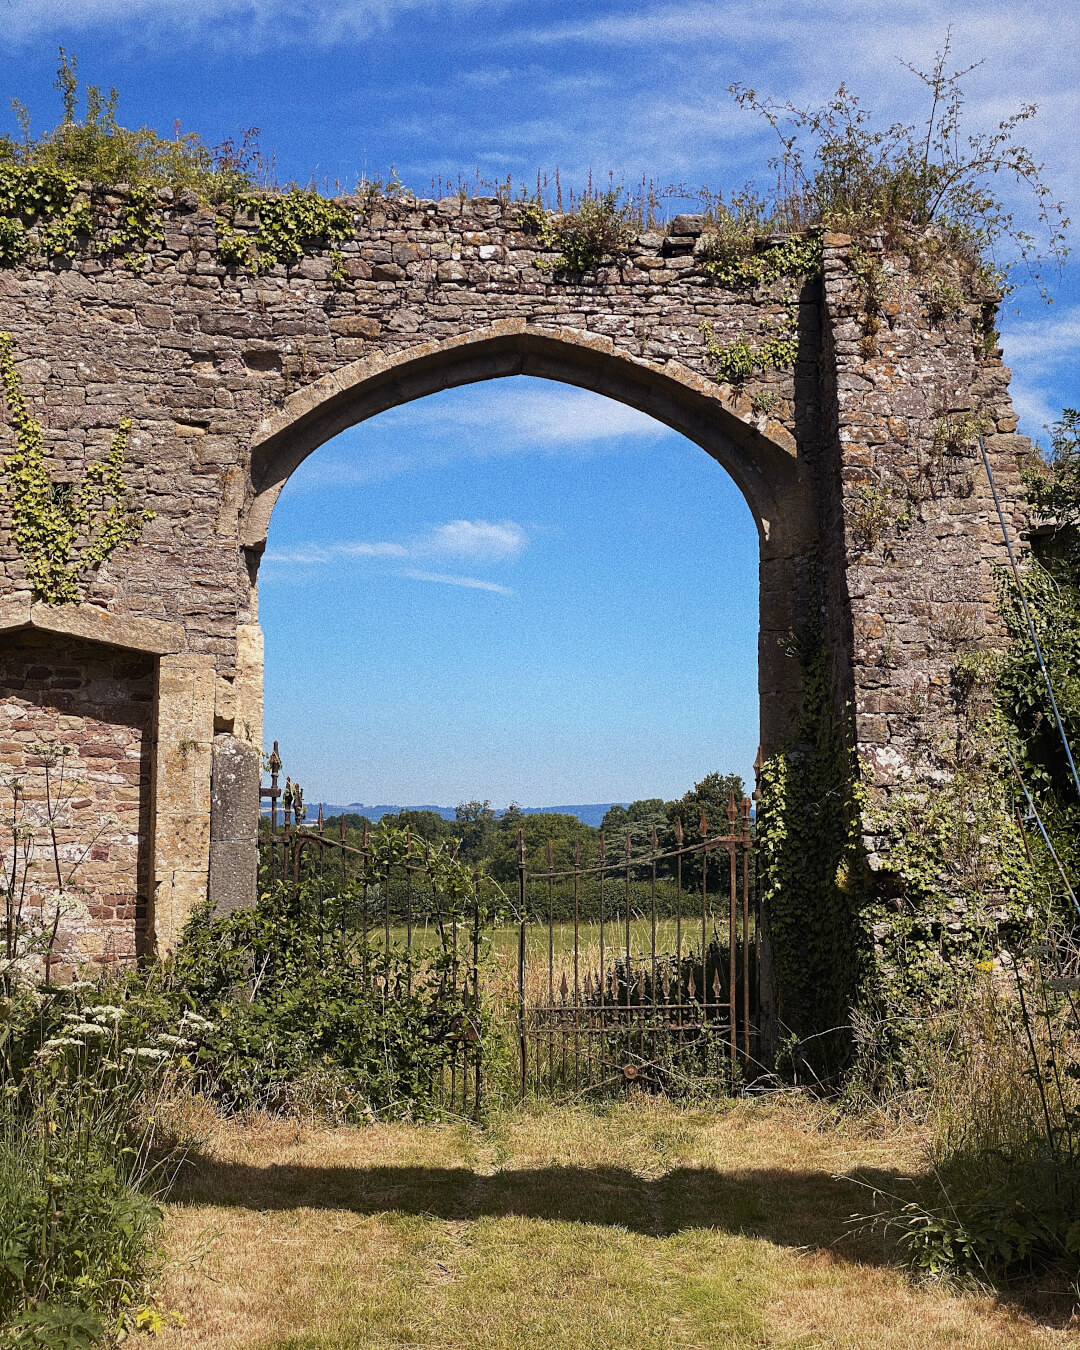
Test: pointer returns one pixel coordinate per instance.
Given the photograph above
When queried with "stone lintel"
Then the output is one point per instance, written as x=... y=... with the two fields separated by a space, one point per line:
x=151 y=636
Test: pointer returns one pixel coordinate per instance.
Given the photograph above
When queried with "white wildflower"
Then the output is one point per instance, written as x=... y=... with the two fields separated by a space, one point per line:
x=59 y=1042
x=147 y=1052
x=88 y=1029
x=175 y=1042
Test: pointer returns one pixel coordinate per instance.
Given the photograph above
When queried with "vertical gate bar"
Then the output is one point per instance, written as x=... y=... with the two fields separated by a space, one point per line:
x=603 y=973
x=732 y=998
x=577 y=986
x=703 y=827
x=521 y=962
x=551 y=963
x=341 y=831
x=365 y=863
x=454 y=970
x=746 y=930
x=477 y=1044
x=652 y=1037
x=758 y=762
x=275 y=769
x=629 y=958
x=408 y=913
x=678 y=931
x=627 y=855
x=386 y=925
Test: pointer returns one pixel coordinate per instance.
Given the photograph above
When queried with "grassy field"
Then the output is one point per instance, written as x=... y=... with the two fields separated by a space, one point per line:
x=561 y=1229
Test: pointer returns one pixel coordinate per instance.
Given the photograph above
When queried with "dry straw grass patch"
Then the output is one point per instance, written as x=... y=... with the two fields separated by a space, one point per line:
x=644 y=1225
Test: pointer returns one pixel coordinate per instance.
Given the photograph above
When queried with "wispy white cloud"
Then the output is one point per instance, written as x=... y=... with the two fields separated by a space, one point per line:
x=476 y=541
x=472 y=583
x=503 y=419
x=511 y=418
x=1044 y=352
x=261 y=22
x=1040 y=345
x=480 y=539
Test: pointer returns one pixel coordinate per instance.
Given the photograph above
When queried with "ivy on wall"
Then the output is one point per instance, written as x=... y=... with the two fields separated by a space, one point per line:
x=814 y=877
x=42 y=212
x=733 y=261
x=62 y=529
x=287 y=228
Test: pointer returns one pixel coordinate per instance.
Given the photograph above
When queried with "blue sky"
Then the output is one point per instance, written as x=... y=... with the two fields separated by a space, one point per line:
x=518 y=590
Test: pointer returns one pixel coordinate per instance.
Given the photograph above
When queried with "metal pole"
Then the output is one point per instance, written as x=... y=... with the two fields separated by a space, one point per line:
x=521 y=961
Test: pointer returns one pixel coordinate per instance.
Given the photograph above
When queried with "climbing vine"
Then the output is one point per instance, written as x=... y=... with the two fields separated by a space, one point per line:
x=62 y=529
x=731 y=259
x=287 y=228
x=814 y=878
x=739 y=360
x=41 y=211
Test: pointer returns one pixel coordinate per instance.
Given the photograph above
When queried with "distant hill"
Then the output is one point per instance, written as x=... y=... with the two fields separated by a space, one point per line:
x=590 y=814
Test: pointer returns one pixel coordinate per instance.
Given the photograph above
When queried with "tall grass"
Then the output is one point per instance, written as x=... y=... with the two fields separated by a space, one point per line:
x=1001 y=1195
x=81 y=1169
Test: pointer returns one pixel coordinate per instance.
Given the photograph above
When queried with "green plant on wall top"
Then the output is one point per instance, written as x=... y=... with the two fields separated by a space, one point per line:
x=599 y=228
x=62 y=529
x=287 y=228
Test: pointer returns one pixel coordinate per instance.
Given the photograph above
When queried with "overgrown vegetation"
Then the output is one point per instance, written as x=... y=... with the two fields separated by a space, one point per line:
x=63 y=529
x=839 y=170
x=97 y=149
x=813 y=876
x=973 y=999
x=598 y=231
x=310 y=1009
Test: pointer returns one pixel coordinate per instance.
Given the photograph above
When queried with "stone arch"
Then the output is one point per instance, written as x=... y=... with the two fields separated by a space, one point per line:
x=761 y=460
x=759 y=455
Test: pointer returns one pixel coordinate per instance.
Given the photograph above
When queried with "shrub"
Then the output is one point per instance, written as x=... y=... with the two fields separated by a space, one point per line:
x=839 y=169
x=1002 y=1192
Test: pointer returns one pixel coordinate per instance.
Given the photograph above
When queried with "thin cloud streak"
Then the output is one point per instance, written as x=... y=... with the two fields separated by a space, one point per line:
x=261 y=23
x=472 y=583
x=478 y=541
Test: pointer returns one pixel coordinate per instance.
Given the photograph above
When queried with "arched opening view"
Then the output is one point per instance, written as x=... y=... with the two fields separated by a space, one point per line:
x=519 y=621
x=513 y=590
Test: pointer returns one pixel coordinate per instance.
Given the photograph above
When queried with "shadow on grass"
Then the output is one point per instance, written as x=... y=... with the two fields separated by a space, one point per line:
x=805 y=1209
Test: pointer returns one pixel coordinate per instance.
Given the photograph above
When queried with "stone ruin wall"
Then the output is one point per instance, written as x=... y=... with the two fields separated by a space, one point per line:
x=214 y=365
x=96 y=704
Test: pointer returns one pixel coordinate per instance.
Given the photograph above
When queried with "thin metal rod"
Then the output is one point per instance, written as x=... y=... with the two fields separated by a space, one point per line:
x=521 y=963
x=746 y=930
x=1027 y=616
x=1042 y=830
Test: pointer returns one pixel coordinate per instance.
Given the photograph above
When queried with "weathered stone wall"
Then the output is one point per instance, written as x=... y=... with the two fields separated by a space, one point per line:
x=907 y=602
x=231 y=379
x=96 y=705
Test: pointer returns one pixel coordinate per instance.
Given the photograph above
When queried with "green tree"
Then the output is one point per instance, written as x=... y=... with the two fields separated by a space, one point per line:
x=539 y=828
x=638 y=820
x=474 y=824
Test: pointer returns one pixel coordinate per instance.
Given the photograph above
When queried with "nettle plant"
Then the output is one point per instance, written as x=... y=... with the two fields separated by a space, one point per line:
x=62 y=529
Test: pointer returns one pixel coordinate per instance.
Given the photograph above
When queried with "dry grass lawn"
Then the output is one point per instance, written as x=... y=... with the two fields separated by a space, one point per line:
x=641 y=1227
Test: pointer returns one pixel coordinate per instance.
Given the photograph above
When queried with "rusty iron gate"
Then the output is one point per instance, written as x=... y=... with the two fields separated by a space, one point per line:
x=633 y=969
x=640 y=969
x=387 y=896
